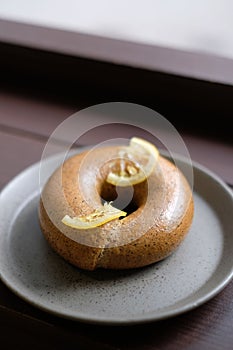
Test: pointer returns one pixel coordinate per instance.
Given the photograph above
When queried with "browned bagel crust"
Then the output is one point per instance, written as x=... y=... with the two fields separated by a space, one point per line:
x=156 y=244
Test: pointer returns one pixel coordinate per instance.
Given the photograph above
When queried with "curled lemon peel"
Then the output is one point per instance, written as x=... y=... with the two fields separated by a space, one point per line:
x=97 y=218
x=136 y=163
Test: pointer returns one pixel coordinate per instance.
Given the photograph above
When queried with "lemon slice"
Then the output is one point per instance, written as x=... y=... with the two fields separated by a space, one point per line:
x=135 y=163
x=99 y=217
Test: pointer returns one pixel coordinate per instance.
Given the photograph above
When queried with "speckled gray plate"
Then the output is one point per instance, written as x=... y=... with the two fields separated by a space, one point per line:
x=199 y=269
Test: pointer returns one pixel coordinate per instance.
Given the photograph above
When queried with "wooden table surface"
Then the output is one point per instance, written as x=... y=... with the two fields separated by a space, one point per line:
x=26 y=121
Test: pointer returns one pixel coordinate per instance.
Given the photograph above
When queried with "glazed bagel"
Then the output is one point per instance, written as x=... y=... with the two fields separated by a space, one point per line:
x=159 y=214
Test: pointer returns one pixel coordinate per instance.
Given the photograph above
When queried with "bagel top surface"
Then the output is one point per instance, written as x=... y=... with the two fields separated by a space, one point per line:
x=155 y=206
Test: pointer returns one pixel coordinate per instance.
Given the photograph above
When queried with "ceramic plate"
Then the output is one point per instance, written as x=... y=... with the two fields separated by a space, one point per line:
x=199 y=269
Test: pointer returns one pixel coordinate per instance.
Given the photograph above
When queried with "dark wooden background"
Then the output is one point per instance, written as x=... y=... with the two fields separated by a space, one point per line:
x=40 y=89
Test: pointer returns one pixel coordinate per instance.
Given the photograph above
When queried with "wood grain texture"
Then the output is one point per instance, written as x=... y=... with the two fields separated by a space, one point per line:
x=189 y=103
x=30 y=117
x=17 y=153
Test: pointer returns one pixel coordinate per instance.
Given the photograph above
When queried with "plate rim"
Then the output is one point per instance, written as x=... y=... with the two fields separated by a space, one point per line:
x=147 y=317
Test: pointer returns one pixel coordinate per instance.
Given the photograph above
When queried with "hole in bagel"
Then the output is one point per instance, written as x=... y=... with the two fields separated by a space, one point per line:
x=128 y=199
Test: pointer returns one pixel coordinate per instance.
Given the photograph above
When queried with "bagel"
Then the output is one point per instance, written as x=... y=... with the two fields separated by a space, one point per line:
x=159 y=212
